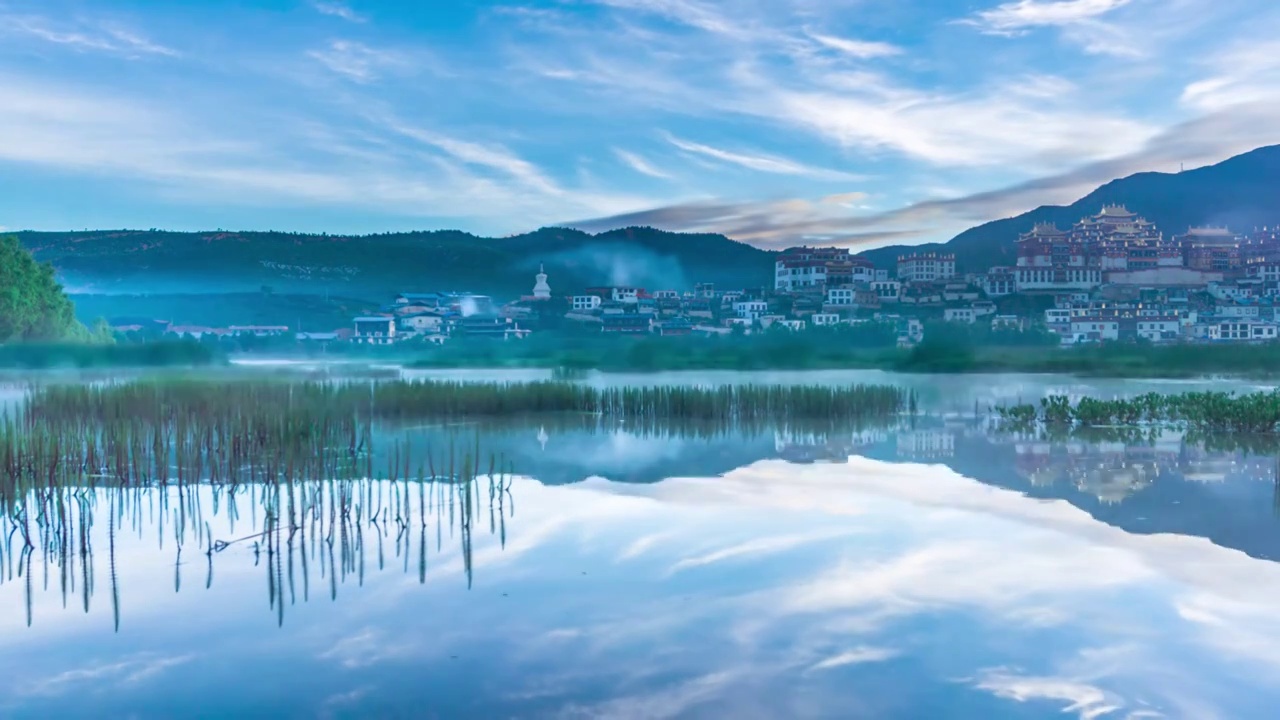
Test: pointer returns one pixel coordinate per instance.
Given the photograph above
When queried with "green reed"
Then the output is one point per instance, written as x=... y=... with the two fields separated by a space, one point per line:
x=1210 y=412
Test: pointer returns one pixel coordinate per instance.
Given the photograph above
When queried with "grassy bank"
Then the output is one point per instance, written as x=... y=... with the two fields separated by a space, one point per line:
x=783 y=351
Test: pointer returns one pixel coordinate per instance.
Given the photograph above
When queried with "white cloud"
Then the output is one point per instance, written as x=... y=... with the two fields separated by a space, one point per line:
x=857 y=656
x=84 y=36
x=1087 y=701
x=357 y=61
x=130 y=669
x=755 y=547
x=338 y=9
x=860 y=49
x=1017 y=16
x=640 y=165
x=759 y=162
x=260 y=160
x=1243 y=74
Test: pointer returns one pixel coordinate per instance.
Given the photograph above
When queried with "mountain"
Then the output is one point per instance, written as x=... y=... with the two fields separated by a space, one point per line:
x=376 y=266
x=1242 y=193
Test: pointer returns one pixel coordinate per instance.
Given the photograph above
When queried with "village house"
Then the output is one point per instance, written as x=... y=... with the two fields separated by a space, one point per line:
x=258 y=330
x=420 y=323
x=585 y=303
x=1158 y=329
x=675 y=327
x=750 y=309
x=1094 y=329
x=374 y=330
x=824 y=319
x=889 y=291
x=627 y=324
x=959 y=315
x=998 y=282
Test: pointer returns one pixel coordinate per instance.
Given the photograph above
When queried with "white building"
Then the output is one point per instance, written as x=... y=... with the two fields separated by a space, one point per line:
x=586 y=302
x=541 y=290
x=1095 y=328
x=666 y=294
x=750 y=309
x=624 y=294
x=824 y=319
x=926 y=267
x=840 y=297
x=960 y=315
x=999 y=281
x=1156 y=329
x=1238 y=330
x=1058 y=317
x=1237 y=311
x=889 y=291
x=1267 y=272
x=375 y=330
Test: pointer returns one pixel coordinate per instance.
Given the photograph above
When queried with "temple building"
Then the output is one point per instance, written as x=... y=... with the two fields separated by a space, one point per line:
x=1125 y=242
x=799 y=269
x=1050 y=259
x=1211 y=249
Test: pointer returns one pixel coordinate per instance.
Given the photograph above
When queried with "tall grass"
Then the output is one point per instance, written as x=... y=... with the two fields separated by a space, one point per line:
x=1211 y=412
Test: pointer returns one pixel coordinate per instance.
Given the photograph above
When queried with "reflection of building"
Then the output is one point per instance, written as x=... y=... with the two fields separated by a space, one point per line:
x=1112 y=484
x=926 y=444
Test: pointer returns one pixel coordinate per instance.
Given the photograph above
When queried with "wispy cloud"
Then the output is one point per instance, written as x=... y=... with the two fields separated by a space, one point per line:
x=131 y=669
x=338 y=9
x=857 y=656
x=1197 y=142
x=640 y=165
x=760 y=162
x=1013 y=17
x=84 y=36
x=356 y=61
x=1085 y=700
x=1240 y=75
x=1079 y=20
x=861 y=49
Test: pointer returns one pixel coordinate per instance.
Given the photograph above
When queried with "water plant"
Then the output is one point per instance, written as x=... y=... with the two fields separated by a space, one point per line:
x=1210 y=412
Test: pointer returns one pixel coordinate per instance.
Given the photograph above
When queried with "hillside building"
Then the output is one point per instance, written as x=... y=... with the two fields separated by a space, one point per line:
x=926 y=267
x=1050 y=259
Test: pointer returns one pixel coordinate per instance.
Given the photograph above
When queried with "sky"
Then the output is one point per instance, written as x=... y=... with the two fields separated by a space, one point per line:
x=848 y=122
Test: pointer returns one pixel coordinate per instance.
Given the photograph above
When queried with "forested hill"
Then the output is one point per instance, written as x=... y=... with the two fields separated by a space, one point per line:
x=1242 y=192
x=153 y=261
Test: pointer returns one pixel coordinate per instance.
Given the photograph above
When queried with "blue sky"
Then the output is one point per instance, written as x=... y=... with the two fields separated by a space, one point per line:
x=857 y=122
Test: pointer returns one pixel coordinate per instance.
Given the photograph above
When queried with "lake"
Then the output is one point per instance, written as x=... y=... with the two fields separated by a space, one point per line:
x=930 y=568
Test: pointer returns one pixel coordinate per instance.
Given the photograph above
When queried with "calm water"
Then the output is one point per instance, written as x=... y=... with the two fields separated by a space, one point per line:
x=934 y=571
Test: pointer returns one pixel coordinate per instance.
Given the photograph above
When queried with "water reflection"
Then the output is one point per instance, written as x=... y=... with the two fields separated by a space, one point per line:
x=297 y=533
x=937 y=568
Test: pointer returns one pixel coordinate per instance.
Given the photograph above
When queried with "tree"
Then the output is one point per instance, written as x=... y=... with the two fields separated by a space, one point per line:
x=32 y=304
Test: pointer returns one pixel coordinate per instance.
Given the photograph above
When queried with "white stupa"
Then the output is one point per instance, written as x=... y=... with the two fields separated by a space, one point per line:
x=541 y=290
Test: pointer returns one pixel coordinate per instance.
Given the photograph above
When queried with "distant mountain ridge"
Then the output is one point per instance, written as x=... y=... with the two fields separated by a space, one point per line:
x=374 y=266
x=1242 y=192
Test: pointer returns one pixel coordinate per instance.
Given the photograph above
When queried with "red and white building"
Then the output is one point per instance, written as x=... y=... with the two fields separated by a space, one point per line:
x=804 y=268
x=1050 y=259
